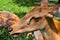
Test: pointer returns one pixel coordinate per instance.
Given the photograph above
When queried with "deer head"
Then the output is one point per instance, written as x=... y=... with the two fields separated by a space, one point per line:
x=34 y=19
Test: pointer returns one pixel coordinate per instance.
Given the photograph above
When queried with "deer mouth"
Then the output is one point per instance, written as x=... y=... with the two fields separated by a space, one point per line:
x=13 y=33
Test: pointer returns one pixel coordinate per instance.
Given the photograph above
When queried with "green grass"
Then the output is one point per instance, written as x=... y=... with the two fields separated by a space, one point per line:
x=57 y=18
x=18 y=9
x=9 y=5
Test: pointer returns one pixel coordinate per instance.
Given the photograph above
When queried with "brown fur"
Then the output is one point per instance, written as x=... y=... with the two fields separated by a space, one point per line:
x=33 y=14
x=36 y=19
x=8 y=19
x=57 y=25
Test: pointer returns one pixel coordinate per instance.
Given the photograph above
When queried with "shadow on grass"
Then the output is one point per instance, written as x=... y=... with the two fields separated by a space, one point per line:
x=29 y=2
x=21 y=14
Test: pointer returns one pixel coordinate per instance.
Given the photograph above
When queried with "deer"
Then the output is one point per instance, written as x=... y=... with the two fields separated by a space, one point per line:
x=8 y=19
x=38 y=18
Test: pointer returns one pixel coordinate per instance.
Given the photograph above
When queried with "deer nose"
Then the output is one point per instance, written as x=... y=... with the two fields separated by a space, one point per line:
x=10 y=29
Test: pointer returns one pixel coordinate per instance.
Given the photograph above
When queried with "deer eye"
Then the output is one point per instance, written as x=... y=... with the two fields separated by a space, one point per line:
x=35 y=19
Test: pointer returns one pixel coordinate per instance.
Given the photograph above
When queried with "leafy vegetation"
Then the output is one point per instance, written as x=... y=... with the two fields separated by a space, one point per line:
x=19 y=7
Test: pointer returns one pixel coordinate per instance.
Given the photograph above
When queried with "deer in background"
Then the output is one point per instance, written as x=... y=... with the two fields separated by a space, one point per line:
x=8 y=19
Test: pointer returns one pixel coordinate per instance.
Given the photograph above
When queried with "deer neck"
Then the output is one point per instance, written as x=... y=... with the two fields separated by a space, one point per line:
x=51 y=24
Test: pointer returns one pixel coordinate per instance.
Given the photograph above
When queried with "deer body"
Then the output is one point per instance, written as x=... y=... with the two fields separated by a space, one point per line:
x=57 y=24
